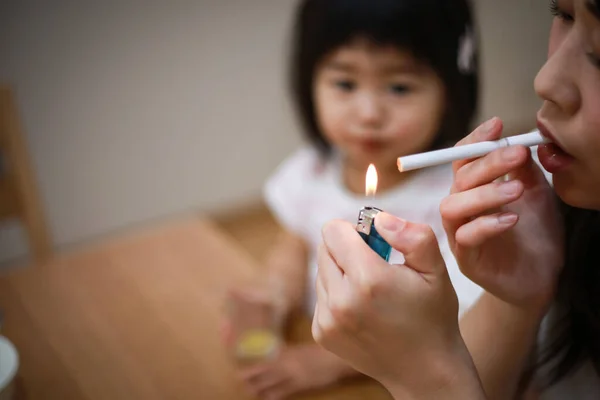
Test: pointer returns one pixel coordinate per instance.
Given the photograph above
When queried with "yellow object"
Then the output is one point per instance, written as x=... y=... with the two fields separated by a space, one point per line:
x=256 y=344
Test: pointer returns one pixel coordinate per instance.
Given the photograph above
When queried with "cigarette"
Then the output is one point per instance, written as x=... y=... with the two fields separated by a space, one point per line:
x=437 y=157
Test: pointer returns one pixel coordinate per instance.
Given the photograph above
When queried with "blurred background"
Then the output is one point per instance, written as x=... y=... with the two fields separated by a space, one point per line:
x=137 y=111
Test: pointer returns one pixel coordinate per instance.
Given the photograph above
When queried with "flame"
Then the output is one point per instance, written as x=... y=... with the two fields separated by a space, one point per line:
x=371 y=181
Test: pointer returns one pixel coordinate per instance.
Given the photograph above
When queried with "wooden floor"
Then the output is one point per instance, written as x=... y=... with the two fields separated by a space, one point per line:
x=136 y=317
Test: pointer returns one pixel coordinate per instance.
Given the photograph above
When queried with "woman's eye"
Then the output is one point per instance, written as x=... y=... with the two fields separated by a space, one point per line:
x=399 y=89
x=557 y=12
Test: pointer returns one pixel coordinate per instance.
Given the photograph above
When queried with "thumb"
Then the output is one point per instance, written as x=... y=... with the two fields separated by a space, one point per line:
x=417 y=242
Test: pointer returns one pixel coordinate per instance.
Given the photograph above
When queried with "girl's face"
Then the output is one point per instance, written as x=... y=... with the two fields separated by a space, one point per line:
x=377 y=103
x=569 y=84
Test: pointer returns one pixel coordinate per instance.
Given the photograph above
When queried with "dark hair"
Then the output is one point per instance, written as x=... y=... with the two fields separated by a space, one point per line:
x=431 y=30
x=574 y=334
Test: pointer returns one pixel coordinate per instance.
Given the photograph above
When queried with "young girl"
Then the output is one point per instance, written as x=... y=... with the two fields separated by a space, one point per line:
x=537 y=326
x=372 y=80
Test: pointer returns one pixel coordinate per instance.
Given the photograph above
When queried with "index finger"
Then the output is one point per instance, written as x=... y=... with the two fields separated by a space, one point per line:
x=489 y=130
x=328 y=272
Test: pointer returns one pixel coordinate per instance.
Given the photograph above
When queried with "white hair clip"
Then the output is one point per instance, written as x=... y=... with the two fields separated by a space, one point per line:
x=466 y=52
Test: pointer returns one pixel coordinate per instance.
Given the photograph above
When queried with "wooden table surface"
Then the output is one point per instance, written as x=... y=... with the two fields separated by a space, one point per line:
x=134 y=318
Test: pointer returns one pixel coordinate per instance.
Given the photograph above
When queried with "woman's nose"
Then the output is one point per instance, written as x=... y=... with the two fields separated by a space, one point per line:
x=557 y=80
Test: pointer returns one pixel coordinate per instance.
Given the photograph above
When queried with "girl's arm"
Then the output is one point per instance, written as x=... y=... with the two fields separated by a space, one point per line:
x=287 y=268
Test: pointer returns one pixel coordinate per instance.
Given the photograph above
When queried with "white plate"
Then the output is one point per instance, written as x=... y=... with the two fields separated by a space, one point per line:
x=9 y=362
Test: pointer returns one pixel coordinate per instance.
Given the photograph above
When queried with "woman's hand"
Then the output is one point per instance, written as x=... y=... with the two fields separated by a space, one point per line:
x=506 y=234
x=395 y=323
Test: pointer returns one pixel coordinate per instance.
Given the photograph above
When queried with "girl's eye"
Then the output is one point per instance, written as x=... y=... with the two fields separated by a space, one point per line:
x=345 y=85
x=399 y=89
x=557 y=12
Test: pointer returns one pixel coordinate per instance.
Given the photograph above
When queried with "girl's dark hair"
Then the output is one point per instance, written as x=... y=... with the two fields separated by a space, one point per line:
x=575 y=334
x=432 y=30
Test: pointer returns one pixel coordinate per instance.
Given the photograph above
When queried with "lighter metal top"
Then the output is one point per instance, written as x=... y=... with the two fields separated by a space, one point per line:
x=366 y=216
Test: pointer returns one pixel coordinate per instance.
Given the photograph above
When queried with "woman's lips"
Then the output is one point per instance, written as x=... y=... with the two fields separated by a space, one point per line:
x=552 y=157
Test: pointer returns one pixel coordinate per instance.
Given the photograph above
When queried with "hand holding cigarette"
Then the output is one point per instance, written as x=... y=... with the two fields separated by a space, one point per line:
x=431 y=158
x=506 y=235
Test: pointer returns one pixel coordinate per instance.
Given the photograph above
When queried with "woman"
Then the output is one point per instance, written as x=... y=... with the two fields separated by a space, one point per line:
x=534 y=253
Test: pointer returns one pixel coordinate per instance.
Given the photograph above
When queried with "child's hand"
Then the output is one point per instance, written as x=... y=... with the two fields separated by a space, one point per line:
x=296 y=369
x=395 y=323
x=506 y=236
x=251 y=307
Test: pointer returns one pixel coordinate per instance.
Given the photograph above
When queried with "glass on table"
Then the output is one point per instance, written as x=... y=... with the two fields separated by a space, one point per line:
x=255 y=324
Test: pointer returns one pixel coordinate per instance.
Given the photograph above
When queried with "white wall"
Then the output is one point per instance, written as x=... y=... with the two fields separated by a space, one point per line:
x=514 y=48
x=137 y=110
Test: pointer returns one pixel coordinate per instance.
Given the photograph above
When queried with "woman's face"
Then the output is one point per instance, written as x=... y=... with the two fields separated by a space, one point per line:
x=569 y=84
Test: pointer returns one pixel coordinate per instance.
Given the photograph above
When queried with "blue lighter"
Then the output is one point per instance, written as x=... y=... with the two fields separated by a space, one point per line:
x=366 y=229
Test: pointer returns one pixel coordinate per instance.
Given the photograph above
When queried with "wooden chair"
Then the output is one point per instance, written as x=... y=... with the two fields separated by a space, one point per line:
x=19 y=198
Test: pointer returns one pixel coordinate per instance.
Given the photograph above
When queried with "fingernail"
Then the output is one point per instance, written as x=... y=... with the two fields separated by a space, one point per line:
x=508 y=218
x=487 y=127
x=390 y=223
x=510 y=188
x=510 y=153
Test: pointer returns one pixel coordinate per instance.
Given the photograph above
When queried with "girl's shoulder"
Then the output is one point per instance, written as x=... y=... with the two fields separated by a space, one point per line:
x=304 y=164
x=290 y=189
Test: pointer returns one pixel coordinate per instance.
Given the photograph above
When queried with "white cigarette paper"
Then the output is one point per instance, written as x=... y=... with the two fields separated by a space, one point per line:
x=437 y=157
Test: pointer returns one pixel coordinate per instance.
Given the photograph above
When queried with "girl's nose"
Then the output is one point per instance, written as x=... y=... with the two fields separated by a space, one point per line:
x=369 y=109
